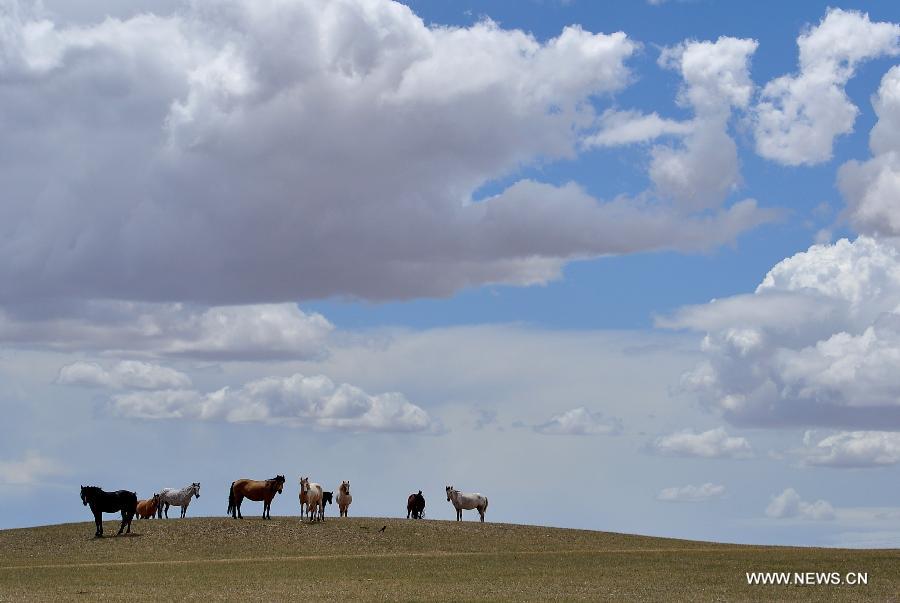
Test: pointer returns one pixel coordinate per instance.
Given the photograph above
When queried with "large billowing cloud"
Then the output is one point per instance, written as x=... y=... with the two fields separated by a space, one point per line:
x=241 y=152
x=701 y=171
x=817 y=343
x=295 y=401
x=799 y=116
x=872 y=188
x=701 y=168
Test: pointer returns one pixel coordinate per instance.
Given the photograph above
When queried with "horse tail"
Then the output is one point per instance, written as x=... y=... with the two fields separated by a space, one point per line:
x=485 y=505
x=230 y=499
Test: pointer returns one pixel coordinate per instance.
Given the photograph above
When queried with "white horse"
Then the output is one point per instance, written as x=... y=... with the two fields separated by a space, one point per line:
x=467 y=501
x=314 y=507
x=343 y=498
x=177 y=498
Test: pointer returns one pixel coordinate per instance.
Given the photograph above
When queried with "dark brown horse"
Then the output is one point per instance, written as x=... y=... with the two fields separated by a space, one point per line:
x=146 y=509
x=109 y=502
x=264 y=490
x=415 y=506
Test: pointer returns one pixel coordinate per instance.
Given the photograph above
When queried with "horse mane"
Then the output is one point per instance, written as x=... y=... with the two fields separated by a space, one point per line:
x=92 y=488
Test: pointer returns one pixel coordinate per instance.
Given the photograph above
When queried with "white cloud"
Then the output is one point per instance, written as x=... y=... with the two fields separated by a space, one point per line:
x=260 y=331
x=871 y=188
x=817 y=343
x=715 y=443
x=689 y=493
x=293 y=401
x=31 y=469
x=616 y=128
x=262 y=143
x=798 y=116
x=579 y=421
x=700 y=172
x=126 y=374
x=789 y=505
x=854 y=449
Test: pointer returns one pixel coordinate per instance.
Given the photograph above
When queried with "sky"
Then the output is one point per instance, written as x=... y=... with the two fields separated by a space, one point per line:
x=642 y=256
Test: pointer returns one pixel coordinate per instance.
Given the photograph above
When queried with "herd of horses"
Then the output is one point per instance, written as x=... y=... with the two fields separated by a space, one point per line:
x=312 y=501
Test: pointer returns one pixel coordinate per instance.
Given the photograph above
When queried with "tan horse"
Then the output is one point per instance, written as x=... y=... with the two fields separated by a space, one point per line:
x=146 y=509
x=343 y=498
x=264 y=490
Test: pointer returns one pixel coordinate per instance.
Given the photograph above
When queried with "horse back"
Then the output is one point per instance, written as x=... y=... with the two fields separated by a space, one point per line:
x=253 y=489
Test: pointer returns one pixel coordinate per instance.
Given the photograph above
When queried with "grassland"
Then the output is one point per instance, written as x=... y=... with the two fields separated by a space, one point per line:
x=351 y=559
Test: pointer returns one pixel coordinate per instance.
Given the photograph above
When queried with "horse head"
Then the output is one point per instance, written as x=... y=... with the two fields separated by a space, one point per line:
x=450 y=491
x=345 y=487
x=196 y=489
x=304 y=484
x=88 y=493
x=279 y=483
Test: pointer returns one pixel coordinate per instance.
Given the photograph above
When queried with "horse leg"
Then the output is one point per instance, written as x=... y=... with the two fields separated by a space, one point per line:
x=184 y=509
x=98 y=522
x=481 y=512
x=122 y=525
x=265 y=507
x=239 y=500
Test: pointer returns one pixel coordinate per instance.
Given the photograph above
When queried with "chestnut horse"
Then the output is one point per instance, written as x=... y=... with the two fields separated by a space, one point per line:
x=264 y=490
x=146 y=509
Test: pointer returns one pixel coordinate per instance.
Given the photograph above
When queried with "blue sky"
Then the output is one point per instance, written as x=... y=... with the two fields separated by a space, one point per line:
x=645 y=252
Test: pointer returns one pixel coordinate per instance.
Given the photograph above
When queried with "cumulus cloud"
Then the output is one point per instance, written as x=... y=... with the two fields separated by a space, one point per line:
x=258 y=331
x=579 y=421
x=241 y=152
x=799 y=116
x=703 y=169
x=127 y=374
x=816 y=344
x=871 y=188
x=789 y=505
x=29 y=470
x=689 y=493
x=853 y=449
x=715 y=443
x=295 y=401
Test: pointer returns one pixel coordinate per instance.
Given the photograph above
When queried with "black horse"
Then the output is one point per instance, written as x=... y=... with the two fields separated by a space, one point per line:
x=109 y=502
x=415 y=505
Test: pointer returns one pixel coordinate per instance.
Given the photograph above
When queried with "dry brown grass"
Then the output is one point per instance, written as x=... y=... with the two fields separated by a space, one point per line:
x=223 y=559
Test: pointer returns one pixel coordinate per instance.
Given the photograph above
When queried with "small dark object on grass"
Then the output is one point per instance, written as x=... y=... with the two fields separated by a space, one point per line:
x=383 y=528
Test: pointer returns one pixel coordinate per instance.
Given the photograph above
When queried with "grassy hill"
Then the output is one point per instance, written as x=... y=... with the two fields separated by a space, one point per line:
x=224 y=559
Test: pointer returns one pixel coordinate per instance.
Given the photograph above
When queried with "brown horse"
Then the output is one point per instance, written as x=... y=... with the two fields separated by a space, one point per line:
x=415 y=506
x=264 y=490
x=303 y=501
x=146 y=509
